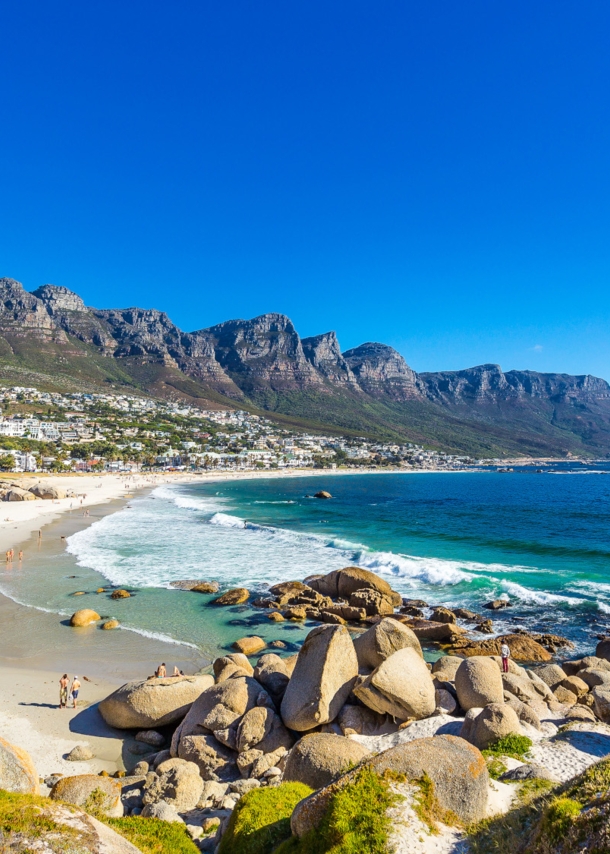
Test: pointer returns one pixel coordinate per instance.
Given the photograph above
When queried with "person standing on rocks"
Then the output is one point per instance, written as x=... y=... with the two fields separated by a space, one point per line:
x=505 y=653
x=63 y=691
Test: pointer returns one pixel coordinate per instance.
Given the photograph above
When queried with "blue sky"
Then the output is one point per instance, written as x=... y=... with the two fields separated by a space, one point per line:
x=430 y=175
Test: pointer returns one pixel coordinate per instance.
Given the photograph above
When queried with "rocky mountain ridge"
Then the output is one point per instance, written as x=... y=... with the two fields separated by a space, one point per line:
x=264 y=362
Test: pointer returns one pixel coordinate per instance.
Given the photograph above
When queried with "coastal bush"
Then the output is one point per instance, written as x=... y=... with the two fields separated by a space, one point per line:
x=21 y=814
x=569 y=818
x=355 y=821
x=153 y=836
x=513 y=745
x=495 y=767
x=428 y=808
x=261 y=819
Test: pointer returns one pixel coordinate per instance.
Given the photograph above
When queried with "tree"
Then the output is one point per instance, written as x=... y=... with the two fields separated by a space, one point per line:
x=7 y=462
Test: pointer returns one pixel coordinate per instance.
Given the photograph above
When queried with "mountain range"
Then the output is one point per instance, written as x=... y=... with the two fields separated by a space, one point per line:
x=51 y=339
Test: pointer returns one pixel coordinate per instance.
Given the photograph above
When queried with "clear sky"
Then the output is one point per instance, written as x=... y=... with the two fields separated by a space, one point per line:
x=433 y=175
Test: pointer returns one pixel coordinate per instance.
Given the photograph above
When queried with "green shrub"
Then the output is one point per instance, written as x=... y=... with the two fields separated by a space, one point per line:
x=261 y=819
x=513 y=745
x=355 y=822
x=495 y=767
x=559 y=817
x=153 y=836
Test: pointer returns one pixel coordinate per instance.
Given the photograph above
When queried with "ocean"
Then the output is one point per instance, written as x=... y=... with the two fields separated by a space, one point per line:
x=541 y=540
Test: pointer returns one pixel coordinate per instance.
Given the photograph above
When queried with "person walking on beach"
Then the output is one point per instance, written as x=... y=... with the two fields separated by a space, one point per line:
x=20 y=556
x=74 y=690
x=63 y=691
x=505 y=652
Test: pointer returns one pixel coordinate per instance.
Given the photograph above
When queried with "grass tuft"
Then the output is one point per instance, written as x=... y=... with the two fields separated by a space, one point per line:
x=153 y=836
x=513 y=745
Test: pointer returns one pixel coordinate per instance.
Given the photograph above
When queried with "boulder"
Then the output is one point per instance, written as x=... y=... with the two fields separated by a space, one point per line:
x=320 y=758
x=594 y=662
x=179 y=785
x=151 y=737
x=109 y=625
x=250 y=645
x=80 y=753
x=442 y=615
x=79 y=789
x=524 y=712
x=521 y=687
x=551 y=674
x=328 y=617
x=234 y=664
x=580 y=713
x=154 y=702
x=497 y=604
x=601 y=698
x=18 y=494
x=446 y=704
x=457 y=769
x=374 y=603
x=341 y=583
x=346 y=612
x=214 y=761
x=262 y=728
x=17 y=771
x=575 y=684
x=222 y=705
x=120 y=594
x=206 y=587
x=445 y=668
x=275 y=617
x=322 y=494
x=323 y=677
x=564 y=696
x=593 y=677
x=465 y=614
x=289 y=589
x=273 y=675
x=430 y=630
x=41 y=490
x=401 y=686
x=485 y=627
x=163 y=811
x=382 y=640
x=84 y=617
x=603 y=649
x=358 y=720
x=478 y=681
x=495 y=721
x=236 y=596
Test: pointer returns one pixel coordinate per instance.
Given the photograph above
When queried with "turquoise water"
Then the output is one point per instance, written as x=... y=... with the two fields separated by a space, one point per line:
x=543 y=540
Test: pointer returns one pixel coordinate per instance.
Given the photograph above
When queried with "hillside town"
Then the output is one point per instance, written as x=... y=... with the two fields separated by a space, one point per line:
x=49 y=431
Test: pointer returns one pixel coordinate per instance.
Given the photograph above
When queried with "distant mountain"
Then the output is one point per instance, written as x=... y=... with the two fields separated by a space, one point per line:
x=51 y=339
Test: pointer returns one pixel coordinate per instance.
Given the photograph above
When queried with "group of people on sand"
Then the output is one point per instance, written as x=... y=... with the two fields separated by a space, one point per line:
x=10 y=555
x=161 y=672
x=68 y=692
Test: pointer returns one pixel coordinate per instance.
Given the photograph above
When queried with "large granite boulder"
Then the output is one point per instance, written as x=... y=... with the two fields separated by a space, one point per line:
x=43 y=490
x=323 y=677
x=495 y=721
x=401 y=686
x=446 y=667
x=320 y=758
x=273 y=674
x=235 y=664
x=341 y=583
x=18 y=494
x=79 y=790
x=214 y=760
x=551 y=674
x=601 y=698
x=522 y=648
x=358 y=720
x=236 y=596
x=221 y=706
x=262 y=728
x=457 y=769
x=178 y=783
x=17 y=771
x=154 y=702
x=380 y=641
x=593 y=676
x=478 y=681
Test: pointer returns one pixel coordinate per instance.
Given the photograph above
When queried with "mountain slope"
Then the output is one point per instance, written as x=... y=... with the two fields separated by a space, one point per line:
x=49 y=338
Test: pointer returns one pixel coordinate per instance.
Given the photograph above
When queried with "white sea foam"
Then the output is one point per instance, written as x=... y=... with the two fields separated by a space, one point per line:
x=538 y=597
